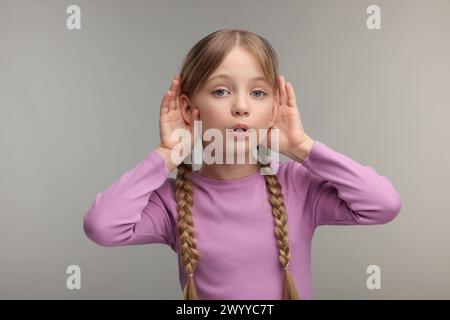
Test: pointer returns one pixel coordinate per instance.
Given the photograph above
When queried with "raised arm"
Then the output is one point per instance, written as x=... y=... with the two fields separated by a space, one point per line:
x=344 y=192
x=131 y=211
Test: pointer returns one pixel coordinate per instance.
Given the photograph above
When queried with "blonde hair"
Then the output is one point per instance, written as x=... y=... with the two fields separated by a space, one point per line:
x=204 y=57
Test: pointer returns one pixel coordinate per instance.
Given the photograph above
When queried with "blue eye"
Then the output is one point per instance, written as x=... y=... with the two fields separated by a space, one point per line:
x=263 y=93
x=219 y=90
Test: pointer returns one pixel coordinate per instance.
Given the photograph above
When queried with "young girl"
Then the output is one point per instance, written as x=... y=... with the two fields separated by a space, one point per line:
x=229 y=223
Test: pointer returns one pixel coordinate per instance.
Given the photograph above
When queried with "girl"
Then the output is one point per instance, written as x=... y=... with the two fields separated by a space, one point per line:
x=227 y=222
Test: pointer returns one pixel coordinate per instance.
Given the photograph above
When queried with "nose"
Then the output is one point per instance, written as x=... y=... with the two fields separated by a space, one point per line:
x=240 y=108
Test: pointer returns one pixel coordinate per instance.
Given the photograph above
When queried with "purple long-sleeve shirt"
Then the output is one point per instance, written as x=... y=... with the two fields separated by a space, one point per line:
x=233 y=222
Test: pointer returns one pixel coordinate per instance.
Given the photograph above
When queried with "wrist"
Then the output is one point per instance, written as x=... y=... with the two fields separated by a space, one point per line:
x=301 y=152
x=166 y=154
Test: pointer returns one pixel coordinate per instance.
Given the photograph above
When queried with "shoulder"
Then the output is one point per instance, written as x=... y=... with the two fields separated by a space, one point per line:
x=294 y=176
x=289 y=170
x=167 y=189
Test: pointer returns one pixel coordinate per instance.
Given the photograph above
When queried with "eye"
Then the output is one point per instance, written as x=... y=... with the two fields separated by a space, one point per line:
x=262 y=92
x=218 y=91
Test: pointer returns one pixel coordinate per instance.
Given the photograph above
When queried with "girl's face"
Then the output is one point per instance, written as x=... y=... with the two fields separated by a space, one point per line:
x=236 y=92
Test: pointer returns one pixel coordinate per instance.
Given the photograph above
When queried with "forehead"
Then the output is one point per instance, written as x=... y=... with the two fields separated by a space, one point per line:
x=239 y=64
x=225 y=76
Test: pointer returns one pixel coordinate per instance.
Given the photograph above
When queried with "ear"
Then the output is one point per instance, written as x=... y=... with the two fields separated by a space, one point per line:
x=186 y=109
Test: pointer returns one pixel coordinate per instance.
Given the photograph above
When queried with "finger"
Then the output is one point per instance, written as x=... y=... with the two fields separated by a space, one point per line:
x=283 y=97
x=178 y=93
x=178 y=77
x=172 y=83
x=172 y=105
x=165 y=103
x=291 y=95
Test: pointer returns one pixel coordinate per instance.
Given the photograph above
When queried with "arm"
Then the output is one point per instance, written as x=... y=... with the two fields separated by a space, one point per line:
x=131 y=211
x=342 y=191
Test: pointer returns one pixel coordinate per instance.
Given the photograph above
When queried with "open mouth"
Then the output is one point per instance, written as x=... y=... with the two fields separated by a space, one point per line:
x=240 y=130
x=240 y=126
x=240 y=133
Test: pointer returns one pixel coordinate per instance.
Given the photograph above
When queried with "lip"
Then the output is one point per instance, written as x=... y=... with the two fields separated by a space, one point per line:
x=240 y=135
x=240 y=125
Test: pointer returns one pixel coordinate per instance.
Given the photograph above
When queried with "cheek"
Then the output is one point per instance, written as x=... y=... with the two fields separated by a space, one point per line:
x=212 y=112
x=266 y=113
x=211 y=118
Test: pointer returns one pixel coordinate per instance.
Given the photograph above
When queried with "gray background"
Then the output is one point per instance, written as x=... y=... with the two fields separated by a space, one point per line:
x=78 y=108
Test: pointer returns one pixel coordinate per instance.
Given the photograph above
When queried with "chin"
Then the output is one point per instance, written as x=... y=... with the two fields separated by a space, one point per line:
x=240 y=150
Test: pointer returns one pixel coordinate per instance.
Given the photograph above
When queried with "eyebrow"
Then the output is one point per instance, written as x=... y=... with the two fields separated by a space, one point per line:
x=228 y=77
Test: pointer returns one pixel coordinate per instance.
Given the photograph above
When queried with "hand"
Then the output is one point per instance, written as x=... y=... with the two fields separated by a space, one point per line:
x=172 y=119
x=288 y=122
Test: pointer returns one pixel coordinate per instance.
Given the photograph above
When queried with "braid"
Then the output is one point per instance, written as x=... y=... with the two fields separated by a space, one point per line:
x=185 y=227
x=276 y=200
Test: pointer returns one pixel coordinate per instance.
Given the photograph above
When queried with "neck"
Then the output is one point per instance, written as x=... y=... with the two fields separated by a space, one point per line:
x=240 y=168
x=228 y=171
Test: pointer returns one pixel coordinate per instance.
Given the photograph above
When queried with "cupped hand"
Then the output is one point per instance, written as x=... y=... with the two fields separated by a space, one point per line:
x=171 y=119
x=288 y=121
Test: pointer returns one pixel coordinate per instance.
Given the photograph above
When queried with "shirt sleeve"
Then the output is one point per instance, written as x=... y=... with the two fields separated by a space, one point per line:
x=343 y=192
x=132 y=211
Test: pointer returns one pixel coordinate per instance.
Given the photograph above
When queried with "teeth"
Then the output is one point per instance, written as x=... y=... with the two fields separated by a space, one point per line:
x=239 y=129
